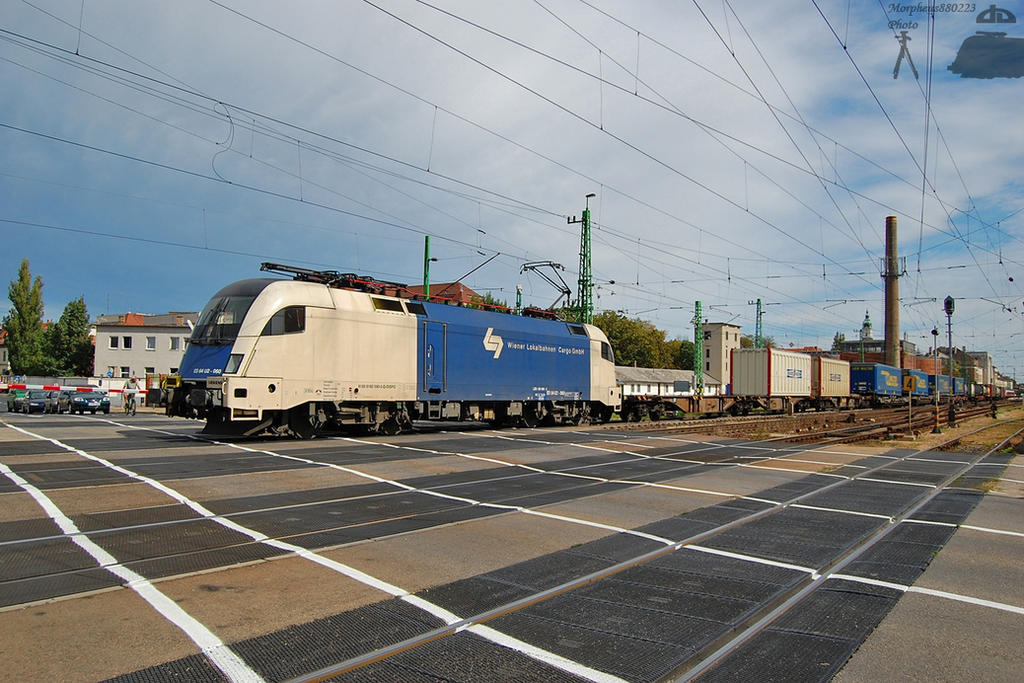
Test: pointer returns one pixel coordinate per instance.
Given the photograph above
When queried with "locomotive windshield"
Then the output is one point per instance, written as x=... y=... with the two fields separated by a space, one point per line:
x=222 y=317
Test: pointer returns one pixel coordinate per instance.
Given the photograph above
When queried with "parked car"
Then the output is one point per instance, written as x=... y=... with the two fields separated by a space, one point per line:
x=34 y=401
x=91 y=401
x=14 y=398
x=51 y=401
x=64 y=400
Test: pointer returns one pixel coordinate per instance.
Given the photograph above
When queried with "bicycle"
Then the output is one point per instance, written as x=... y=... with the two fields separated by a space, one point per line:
x=129 y=403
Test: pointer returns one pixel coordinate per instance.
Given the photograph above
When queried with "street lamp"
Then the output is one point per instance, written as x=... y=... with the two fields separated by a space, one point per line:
x=935 y=373
x=948 y=305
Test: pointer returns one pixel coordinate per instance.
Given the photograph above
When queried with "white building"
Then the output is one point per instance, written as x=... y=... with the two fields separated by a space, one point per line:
x=719 y=341
x=982 y=360
x=5 y=361
x=137 y=345
x=661 y=382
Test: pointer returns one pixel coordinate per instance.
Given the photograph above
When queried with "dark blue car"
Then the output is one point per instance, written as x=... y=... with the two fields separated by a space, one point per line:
x=35 y=401
x=92 y=402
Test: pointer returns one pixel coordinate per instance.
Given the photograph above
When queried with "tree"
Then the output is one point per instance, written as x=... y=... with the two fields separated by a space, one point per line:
x=837 y=341
x=489 y=302
x=747 y=342
x=24 y=324
x=637 y=342
x=70 y=349
x=683 y=354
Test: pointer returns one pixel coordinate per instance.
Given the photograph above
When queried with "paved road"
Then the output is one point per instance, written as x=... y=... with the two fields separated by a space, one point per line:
x=134 y=548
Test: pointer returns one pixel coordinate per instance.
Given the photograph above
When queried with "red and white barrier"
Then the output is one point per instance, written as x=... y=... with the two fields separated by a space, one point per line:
x=57 y=387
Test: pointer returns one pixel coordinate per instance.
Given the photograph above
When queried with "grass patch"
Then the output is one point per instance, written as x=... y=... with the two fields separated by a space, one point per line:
x=988 y=485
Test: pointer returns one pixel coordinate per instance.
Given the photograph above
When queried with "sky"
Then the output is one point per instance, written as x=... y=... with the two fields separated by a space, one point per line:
x=153 y=152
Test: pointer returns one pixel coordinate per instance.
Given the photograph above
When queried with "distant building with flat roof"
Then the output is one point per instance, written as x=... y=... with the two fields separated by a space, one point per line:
x=137 y=345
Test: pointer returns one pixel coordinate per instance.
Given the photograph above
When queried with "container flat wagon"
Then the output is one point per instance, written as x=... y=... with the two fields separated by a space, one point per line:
x=772 y=379
x=939 y=384
x=830 y=384
x=876 y=383
x=915 y=385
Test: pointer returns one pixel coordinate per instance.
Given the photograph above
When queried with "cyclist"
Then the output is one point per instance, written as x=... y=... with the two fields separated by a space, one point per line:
x=131 y=387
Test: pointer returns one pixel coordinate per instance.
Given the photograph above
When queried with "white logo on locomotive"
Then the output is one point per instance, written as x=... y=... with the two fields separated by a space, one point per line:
x=493 y=342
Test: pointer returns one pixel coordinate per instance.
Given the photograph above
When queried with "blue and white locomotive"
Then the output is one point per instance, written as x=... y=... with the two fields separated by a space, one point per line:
x=325 y=350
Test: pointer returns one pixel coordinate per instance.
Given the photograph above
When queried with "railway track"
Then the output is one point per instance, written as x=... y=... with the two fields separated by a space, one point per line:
x=886 y=425
x=618 y=468
x=711 y=654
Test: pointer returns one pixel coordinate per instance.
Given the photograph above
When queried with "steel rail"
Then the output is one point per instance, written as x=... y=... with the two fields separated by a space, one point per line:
x=508 y=608
x=813 y=584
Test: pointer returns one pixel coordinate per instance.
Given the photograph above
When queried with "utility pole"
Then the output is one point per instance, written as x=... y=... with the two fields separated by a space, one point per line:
x=758 y=331
x=935 y=373
x=698 y=351
x=426 y=265
x=585 y=292
x=948 y=305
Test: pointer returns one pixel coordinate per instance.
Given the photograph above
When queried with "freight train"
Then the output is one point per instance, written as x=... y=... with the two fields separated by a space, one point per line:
x=778 y=380
x=325 y=350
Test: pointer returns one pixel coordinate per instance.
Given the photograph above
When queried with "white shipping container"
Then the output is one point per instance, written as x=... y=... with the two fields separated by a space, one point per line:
x=830 y=377
x=770 y=372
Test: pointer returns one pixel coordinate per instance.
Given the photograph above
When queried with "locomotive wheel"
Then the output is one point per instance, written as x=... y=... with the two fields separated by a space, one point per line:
x=300 y=422
x=389 y=427
x=530 y=417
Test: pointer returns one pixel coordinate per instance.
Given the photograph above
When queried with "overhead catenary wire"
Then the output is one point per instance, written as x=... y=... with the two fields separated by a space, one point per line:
x=646 y=242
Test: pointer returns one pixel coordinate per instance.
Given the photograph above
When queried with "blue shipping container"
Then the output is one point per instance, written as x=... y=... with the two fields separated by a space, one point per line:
x=875 y=379
x=943 y=382
x=918 y=388
x=959 y=386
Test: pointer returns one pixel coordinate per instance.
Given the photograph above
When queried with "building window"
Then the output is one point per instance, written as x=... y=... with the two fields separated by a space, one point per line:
x=126 y=372
x=126 y=342
x=113 y=343
x=174 y=343
x=707 y=366
x=150 y=371
x=707 y=353
x=151 y=343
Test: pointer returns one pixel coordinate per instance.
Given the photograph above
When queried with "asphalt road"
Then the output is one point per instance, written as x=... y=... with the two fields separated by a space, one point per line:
x=134 y=548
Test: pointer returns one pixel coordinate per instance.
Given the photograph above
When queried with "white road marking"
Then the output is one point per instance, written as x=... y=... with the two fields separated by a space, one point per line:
x=988 y=530
x=901 y=483
x=933 y=592
x=757 y=560
x=844 y=512
x=222 y=656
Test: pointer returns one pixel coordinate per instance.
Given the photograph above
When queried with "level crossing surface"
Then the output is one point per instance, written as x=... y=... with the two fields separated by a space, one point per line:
x=136 y=549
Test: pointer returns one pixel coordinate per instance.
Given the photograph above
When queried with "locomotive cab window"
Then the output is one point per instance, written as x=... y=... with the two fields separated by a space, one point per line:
x=415 y=307
x=606 y=352
x=286 y=321
x=577 y=329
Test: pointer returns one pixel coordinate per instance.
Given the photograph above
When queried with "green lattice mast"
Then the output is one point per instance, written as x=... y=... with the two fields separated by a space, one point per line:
x=698 y=350
x=585 y=293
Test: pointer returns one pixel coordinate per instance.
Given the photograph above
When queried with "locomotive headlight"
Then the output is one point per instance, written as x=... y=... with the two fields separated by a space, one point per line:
x=234 y=362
